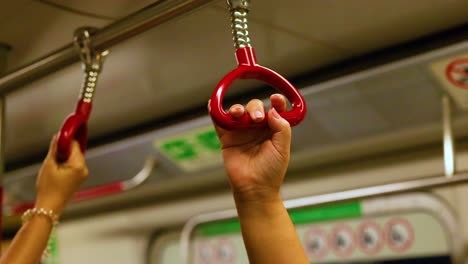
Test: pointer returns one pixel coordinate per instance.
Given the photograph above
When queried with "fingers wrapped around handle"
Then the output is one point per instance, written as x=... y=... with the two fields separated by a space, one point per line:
x=74 y=127
x=231 y=122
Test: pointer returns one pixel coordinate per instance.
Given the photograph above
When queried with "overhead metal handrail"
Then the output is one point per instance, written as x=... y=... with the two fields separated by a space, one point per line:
x=132 y=25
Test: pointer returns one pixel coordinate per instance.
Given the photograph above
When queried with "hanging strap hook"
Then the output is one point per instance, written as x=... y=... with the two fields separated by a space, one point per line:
x=240 y=30
x=75 y=126
x=91 y=61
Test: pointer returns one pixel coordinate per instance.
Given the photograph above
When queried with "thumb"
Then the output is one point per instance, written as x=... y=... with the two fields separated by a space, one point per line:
x=52 y=154
x=281 y=131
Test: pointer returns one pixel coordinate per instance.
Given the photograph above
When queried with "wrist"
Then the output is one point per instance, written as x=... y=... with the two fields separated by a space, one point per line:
x=264 y=195
x=259 y=203
x=40 y=215
x=56 y=206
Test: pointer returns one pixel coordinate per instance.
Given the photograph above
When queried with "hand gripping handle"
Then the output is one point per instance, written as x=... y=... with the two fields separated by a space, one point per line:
x=74 y=127
x=249 y=69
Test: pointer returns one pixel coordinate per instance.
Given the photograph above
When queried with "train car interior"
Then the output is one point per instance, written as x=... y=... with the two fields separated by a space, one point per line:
x=379 y=165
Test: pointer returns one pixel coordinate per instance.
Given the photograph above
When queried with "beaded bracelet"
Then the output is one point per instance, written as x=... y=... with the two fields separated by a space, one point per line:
x=49 y=214
x=42 y=212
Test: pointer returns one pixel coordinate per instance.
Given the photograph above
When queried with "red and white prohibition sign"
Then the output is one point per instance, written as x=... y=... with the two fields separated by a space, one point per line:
x=370 y=237
x=342 y=240
x=457 y=73
x=399 y=234
x=316 y=243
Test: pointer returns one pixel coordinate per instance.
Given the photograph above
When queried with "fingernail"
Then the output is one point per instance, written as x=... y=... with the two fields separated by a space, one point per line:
x=258 y=114
x=275 y=114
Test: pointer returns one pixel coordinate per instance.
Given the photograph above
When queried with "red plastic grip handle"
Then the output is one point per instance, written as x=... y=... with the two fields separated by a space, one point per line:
x=74 y=127
x=249 y=69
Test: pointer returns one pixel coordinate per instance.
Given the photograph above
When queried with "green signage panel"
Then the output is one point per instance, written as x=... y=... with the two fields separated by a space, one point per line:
x=193 y=150
x=298 y=216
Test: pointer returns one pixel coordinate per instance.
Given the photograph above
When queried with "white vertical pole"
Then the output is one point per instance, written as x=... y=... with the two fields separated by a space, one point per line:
x=448 y=139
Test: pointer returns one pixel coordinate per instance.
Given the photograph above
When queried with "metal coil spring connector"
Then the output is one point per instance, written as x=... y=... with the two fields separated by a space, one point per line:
x=89 y=86
x=91 y=62
x=240 y=30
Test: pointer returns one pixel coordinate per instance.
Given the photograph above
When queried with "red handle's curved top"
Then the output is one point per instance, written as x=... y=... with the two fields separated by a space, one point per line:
x=249 y=69
x=74 y=127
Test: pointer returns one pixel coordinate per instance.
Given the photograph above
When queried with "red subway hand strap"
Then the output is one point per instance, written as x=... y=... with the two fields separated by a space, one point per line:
x=249 y=69
x=74 y=127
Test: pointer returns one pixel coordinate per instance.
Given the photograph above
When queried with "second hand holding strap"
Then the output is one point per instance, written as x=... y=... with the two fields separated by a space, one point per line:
x=248 y=68
x=75 y=126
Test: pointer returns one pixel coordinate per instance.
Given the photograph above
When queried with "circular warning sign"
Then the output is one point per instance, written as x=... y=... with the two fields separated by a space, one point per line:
x=226 y=252
x=342 y=240
x=315 y=243
x=457 y=73
x=399 y=234
x=370 y=237
x=206 y=253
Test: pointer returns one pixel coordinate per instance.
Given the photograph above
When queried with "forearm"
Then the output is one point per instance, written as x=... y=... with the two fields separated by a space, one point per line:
x=268 y=232
x=29 y=243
